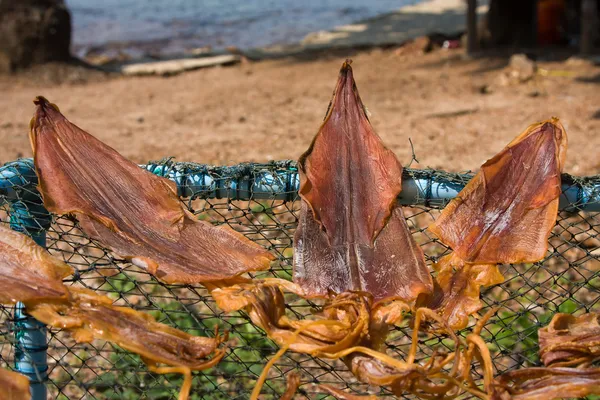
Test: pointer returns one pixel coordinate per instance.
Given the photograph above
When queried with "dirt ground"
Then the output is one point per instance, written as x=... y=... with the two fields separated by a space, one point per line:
x=457 y=112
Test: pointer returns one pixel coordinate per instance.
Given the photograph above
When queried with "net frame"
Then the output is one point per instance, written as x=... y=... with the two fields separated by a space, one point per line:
x=260 y=201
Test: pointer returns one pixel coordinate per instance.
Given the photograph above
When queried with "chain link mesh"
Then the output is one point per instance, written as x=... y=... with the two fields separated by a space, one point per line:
x=567 y=280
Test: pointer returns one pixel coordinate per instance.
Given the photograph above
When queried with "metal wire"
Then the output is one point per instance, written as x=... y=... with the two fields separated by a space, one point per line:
x=567 y=280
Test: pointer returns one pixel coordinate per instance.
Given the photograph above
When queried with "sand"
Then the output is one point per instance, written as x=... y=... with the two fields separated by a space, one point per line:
x=270 y=110
x=458 y=112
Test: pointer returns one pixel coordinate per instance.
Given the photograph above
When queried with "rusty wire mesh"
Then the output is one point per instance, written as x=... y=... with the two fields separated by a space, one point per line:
x=567 y=280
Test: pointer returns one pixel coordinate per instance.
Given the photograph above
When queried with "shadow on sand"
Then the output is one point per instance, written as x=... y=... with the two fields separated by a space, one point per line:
x=390 y=30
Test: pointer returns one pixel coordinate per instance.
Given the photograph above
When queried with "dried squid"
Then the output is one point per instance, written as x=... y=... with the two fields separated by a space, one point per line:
x=135 y=213
x=89 y=316
x=505 y=214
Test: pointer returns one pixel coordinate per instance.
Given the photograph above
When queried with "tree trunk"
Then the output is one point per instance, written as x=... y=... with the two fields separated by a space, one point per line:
x=33 y=32
x=512 y=23
x=589 y=25
x=472 y=41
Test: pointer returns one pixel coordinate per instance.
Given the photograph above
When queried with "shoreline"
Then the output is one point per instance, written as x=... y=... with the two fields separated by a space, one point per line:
x=445 y=17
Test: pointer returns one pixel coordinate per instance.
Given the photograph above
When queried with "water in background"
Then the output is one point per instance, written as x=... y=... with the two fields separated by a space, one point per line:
x=175 y=25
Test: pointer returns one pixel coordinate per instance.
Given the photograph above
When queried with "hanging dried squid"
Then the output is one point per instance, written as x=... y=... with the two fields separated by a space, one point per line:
x=547 y=384
x=570 y=341
x=165 y=350
x=353 y=248
x=133 y=212
x=31 y=275
x=505 y=214
x=568 y=347
x=28 y=273
x=351 y=236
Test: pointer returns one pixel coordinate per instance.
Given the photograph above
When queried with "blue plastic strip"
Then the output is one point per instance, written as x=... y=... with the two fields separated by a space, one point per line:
x=31 y=343
x=30 y=352
x=418 y=187
x=18 y=180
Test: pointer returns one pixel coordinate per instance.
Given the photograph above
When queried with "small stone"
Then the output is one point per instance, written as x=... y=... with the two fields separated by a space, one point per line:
x=576 y=61
x=535 y=93
x=422 y=44
x=503 y=79
x=485 y=89
x=522 y=67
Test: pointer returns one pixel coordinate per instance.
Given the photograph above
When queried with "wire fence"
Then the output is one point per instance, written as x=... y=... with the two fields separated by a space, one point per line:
x=260 y=201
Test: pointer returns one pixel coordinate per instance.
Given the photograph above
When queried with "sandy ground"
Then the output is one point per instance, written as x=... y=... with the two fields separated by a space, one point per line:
x=457 y=112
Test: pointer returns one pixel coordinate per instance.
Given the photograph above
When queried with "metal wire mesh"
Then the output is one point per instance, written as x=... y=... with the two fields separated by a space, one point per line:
x=567 y=280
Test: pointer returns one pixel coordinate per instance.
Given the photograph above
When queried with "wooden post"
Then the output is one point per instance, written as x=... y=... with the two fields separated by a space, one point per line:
x=534 y=24
x=472 y=40
x=589 y=16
